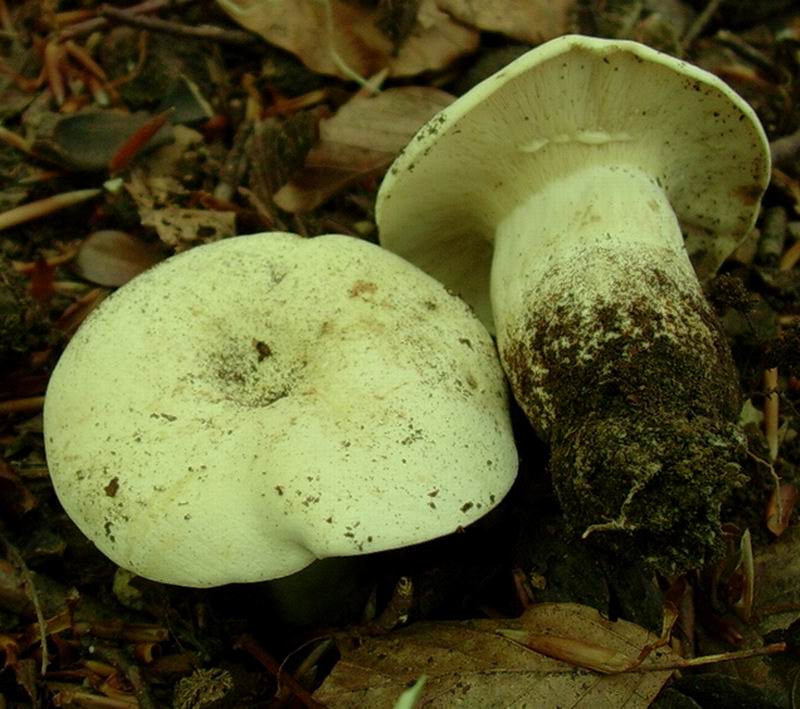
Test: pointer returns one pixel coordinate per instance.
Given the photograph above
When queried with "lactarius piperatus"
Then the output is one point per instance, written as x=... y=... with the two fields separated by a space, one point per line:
x=574 y=198
x=254 y=404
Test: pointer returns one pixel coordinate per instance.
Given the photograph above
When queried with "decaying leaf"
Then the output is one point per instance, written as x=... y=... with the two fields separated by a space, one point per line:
x=160 y=196
x=344 y=39
x=532 y=21
x=362 y=139
x=181 y=228
x=435 y=42
x=63 y=138
x=15 y=497
x=112 y=258
x=470 y=664
x=777 y=582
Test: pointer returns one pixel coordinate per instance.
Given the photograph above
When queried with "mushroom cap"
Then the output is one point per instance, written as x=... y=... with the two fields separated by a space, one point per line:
x=253 y=404
x=570 y=103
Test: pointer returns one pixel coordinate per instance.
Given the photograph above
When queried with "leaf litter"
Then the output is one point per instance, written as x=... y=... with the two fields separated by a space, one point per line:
x=291 y=128
x=471 y=663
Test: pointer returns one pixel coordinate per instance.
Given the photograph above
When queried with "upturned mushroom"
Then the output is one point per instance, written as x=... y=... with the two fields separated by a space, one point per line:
x=574 y=198
x=254 y=404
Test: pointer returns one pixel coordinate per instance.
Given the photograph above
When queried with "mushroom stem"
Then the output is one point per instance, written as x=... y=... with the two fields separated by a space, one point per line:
x=618 y=361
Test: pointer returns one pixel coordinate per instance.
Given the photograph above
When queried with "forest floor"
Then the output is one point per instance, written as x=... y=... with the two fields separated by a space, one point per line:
x=129 y=134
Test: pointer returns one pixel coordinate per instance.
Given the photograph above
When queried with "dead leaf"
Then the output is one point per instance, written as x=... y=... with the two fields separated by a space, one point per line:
x=182 y=228
x=468 y=663
x=63 y=138
x=158 y=196
x=112 y=258
x=15 y=498
x=362 y=139
x=777 y=582
x=343 y=39
x=435 y=42
x=531 y=21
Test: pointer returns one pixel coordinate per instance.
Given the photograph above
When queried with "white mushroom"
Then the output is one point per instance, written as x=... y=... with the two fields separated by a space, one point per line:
x=555 y=197
x=254 y=404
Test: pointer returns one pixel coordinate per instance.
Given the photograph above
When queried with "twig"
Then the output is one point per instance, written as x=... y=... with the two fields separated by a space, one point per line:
x=155 y=24
x=235 y=163
x=96 y=23
x=790 y=257
x=30 y=586
x=83 y=57
x=132 y=145
x=252 y=648
x=130 y=669
x=744 y=50
x=5 y=19
x=771 y=411
x=53 y=54
x=699 y=24
x=22 y=406
x=313 y=657
x=43 y=207
x=14 y=140
x=784 y=149
x=776 y=479
x=774 y=649
x=69 y=696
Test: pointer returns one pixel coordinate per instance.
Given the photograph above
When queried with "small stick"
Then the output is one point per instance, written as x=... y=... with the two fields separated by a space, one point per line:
x=699 y=24
x=774 y=649
x=772 y=402
x=52 y=64
x=155 y=24
x=64 y=257
x=96 y=23
x=131 y=671
x=30 y=586
x=83 y=57
x=744 y=50
x=771 y=411
x=43 y=207
x=78 y=697
x=133 y=144
x=15 y=141
x=785 y=148
x=5 y=19
x=252 y=648
x=790 y=257
x=22 y=406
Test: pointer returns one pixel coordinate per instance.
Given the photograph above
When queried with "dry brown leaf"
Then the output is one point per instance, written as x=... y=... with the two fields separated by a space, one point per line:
x=157 y=191
x=63 y=138
x=777 y=582
x=532 y=21
x=342 y=38
x=181 y=228
x=435 y=42
x=470 y=664
x=362 y=139
x=177 y=227
x=112 y=258
x=15 y=497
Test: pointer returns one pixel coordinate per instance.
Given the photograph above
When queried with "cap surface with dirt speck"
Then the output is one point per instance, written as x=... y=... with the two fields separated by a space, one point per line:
x=254 y=404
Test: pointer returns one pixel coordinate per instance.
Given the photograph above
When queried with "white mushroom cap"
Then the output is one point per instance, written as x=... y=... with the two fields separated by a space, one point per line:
x=564 y=106
x=252 y=405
